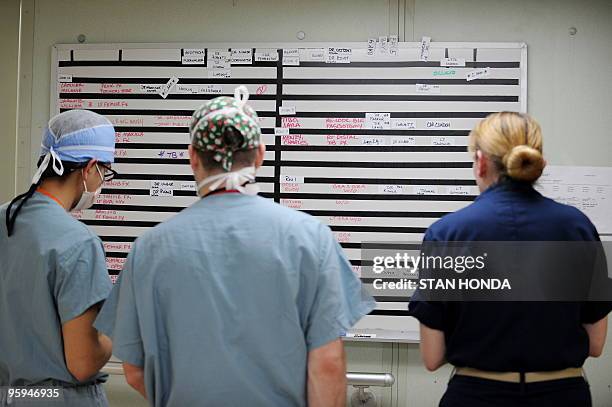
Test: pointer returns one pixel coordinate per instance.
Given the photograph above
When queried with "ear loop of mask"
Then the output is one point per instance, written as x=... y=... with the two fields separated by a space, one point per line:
x=88 y=198
x=99 y=173
x=58 y=168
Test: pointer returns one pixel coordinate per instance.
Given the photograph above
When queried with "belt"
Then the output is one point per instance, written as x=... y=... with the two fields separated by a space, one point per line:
x=520 y=377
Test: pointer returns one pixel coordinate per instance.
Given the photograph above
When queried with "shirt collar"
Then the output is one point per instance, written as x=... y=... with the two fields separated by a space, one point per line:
x=507 y=184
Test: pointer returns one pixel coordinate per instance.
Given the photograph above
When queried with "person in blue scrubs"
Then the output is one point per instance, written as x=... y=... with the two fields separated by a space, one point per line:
x=53 y=275
x=236 y=301
x=497 y=346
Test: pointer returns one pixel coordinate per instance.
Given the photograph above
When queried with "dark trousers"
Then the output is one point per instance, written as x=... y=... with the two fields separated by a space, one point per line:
x=464 y=391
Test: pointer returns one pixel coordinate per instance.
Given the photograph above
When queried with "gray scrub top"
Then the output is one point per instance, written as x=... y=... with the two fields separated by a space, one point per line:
x=52 y=269
x=222 y=303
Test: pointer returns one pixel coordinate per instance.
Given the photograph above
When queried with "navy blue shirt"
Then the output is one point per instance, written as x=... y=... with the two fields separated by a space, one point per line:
x=513 y=336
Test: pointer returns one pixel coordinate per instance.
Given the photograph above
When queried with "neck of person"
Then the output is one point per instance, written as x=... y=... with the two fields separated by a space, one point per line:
x=488 y=181
x=60 y=191
x=205 y=190
x=485 y=184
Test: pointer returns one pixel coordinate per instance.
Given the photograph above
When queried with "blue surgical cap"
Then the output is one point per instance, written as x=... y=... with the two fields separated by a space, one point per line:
x=76 y=136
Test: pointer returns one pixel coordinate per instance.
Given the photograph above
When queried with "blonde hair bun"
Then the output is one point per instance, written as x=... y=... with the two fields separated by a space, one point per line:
x=524 y=163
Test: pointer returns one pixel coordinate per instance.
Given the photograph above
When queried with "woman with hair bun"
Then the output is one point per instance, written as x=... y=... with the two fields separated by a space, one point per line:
x=511 y=353
x=507 y=145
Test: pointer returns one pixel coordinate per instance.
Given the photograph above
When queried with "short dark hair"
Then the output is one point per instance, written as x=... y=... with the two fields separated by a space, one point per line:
x=240 y=159
x=20 y=200
x=69 y=168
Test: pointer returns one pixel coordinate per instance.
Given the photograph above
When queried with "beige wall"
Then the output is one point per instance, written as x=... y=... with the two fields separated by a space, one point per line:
x=569 y=92
x=568 y=89
x=9 y=46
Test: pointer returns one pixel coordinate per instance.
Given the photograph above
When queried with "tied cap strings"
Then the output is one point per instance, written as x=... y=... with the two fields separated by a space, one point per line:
x=58 y=168
x=241 y=94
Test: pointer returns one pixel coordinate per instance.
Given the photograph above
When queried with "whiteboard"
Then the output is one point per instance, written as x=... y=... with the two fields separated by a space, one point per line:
x=367 y=137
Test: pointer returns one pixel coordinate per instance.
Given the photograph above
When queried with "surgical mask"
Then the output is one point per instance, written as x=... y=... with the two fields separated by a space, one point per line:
x=88 y=198
x=231 y=180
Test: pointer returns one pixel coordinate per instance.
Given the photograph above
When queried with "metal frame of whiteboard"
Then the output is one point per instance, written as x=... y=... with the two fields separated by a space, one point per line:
x=383 y=328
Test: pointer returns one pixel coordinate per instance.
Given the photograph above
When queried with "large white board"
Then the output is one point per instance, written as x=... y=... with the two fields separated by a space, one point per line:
x=368 y=137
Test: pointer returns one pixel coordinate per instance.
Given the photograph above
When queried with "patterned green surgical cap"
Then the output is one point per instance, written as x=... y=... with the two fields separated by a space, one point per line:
x=212 y=126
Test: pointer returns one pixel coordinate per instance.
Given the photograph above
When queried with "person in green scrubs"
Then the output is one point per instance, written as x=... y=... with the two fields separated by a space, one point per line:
x=236 y=301
x=53 y=274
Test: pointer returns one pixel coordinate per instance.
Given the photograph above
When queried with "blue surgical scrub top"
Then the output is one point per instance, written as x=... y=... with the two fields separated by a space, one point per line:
x=222 y=303
x=52 y=269
x=512 y=336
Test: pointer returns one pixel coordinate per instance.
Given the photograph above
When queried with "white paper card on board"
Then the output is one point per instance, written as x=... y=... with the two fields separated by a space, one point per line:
x=458 y=190
x=64 y=78
x=403 y=124
x=281 y=131
x=391 y=189
x=195 y=60
x=220 y=73
x=425 y=190
x=163 y=183
x=199 y=89
x=165 y=89
x=424 y=50
x=266 y=55
x=194 y=56
x=359 y=335
x=217 y=57
x=383 y=45
x=442 y=141
x=219 y=63
x=452 y=61
x=291 y=60
x=161 y=192
x=478 y=73
x=427 y=88
x=337 y=55
x=241 y=56
x=378 y=120
x=162 y=188
x=188 y=89
x=403 y=141
x=437 y=124
x=393 y=45
x=153 y=88
x=373 y=141
x=291 y=179
x=316 y=54
x=371 y=49
x=188 y=186
x=286 y=110
x=194 y=52
x=219 y=53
